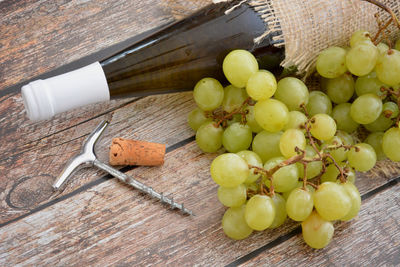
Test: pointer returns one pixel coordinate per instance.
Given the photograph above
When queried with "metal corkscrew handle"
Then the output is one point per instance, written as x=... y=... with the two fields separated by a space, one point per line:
x=140 y=186
x=87 y=157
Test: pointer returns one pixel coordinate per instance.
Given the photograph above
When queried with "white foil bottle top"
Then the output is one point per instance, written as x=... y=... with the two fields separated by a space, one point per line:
x=45 y=98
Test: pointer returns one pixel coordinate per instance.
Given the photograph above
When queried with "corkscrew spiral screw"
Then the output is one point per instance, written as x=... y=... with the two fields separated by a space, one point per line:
x=87 y=157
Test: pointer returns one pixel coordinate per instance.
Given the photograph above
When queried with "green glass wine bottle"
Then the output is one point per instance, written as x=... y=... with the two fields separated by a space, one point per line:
x=170 y=60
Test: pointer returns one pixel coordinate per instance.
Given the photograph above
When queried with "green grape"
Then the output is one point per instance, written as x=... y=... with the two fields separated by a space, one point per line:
x=382 y=48
x=362 y=160
x=351 y=175
x=331 y=201
x=296 y=120
x=331 y=174
x=361 y=59
x=369 y=84
x=299 y=204
x=280 y=211
x=381 y=124
x=340 y=89
x=237 y=137
x=341 y=115
x=397 y=45
x=319 y=102
x=236 y=118
x=313 y=168
x=355 y=198
x=292 y=92
x=260 y=212
x=317 y=232
x=234 y=224
x=229 y=170
x=271 y=114
x=310 y=189
x=291 y=139
x=253 y=159
x=388 y=67
x=286 y=194
x=251 y=120
x=284 y=179
x=261 y=85
x=346 y=138
x=208 y=94
x=233 y=98
x=232 y=196
x=339 y=154
x=266 y=145
x=253 y=186
x=366 y=108
x=390 y=110
x=323 y=127
x=359 y=37
x=391 y=144
x=196 y=118
x=238 y=66
x=209 y=137
x=331 y=62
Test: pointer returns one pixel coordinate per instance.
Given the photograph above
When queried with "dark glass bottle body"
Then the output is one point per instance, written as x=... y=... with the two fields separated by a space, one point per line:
x=175 y=58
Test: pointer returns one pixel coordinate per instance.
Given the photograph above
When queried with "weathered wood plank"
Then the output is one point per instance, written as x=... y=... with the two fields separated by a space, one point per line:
x=38 y=36
x=110 y=224
x=19 y=135
x=24 y=52
x=27 y=176
x=372 y=239
x=66 y=131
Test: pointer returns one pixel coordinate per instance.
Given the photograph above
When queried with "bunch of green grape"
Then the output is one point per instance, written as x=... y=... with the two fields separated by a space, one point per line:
x=290 y=153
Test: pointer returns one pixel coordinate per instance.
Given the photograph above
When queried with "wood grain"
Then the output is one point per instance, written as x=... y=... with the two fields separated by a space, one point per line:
x=377 y=228
x=38 y=36
x=28 y=175
x=126 y=227
x=98 y=221
x=24 y=53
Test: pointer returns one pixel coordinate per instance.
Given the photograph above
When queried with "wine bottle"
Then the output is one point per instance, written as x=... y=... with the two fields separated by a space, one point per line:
x=170 y=60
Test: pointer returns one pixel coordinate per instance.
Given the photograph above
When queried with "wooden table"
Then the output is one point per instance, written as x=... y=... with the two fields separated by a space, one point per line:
x=98 y=221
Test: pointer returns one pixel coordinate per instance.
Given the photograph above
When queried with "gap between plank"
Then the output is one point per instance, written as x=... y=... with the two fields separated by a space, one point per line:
x=297 y=230
x=86 y=60
x=91 y=184
x=72 y=126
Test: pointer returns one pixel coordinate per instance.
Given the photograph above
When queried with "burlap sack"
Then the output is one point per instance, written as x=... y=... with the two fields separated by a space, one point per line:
x=305 y=27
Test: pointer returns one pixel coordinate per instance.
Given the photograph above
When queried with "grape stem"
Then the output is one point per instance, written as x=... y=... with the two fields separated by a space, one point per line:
x=313 y=185
x=240 y=110
x=346 y=147
x=387 y=9
x=342 y=175
x=322 y=156
x=300 y=157
x=381 y=30
x=387 y=113
x=307 y=128
x=323 y=171
x=396 y=94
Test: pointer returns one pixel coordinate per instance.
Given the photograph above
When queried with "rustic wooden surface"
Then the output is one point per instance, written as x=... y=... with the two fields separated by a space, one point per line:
x=98 y=221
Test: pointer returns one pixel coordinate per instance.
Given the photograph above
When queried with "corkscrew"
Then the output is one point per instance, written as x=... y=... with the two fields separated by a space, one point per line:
x=87 y=157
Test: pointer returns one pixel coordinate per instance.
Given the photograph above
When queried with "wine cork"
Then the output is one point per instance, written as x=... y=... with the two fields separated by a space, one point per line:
x=135 y=152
